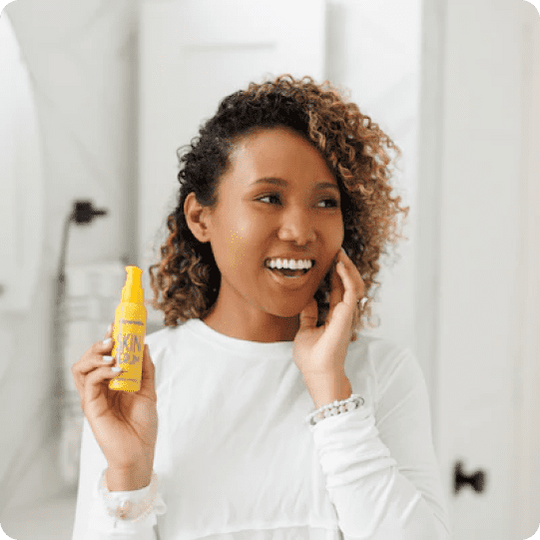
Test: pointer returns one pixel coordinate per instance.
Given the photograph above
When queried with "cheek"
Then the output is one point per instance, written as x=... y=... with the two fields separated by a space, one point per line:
x=336 y=235
x=333 y=241
x=236 y=249
x=243 y=240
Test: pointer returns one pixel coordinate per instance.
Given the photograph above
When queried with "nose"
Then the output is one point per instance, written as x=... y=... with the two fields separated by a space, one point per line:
x=297 y=226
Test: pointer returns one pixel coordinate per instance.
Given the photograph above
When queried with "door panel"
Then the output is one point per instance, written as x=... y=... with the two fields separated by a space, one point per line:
x=473 y=117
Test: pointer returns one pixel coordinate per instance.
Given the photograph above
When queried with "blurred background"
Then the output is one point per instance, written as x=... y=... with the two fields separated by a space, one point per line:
x=97 y=95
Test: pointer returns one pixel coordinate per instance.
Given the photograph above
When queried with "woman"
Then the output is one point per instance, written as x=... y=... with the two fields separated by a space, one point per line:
x=276 y=418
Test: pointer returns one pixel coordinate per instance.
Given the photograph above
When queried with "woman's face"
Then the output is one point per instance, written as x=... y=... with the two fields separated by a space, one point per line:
x=278 y=199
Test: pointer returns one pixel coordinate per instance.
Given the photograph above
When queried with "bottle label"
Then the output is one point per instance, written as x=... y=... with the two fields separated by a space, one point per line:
x=130 y=342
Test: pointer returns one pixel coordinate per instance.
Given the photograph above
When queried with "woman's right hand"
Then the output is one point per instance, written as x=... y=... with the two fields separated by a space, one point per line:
x=124 y=423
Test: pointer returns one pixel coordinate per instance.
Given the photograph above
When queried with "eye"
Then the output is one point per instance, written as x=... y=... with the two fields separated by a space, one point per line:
x=273 y=195
x=334 y=203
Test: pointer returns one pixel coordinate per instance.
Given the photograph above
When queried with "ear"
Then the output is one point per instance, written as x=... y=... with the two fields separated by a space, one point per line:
x=197 y=218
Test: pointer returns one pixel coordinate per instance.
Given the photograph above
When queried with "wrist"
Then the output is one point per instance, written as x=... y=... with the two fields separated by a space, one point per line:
x=128 y=479
x=328 y=387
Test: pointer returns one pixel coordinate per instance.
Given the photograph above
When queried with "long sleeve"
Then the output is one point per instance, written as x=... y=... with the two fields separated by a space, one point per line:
x=379 y=462
x=92 y=522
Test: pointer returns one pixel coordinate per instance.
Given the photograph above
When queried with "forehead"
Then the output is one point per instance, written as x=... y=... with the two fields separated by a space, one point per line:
x=278 y=152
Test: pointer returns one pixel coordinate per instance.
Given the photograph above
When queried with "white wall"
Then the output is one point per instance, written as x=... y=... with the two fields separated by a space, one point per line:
x=81 y=56
x=374 y=51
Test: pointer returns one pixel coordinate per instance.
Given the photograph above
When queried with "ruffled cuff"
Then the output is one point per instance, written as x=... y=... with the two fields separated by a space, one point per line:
x=134 y=506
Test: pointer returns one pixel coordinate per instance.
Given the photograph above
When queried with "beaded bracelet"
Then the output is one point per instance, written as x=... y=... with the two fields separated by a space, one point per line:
x=335 y=408
x=126 y=509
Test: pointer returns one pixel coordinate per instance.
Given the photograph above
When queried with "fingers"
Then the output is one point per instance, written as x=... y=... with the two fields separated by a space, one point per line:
x=337 y=288
x=96 y=358
x=109 y=331
x=148 y=365
x=97 y=366
x=355 y=287
x=148 y=373
x=309 y=315
x=355 y=279
x=93 y=387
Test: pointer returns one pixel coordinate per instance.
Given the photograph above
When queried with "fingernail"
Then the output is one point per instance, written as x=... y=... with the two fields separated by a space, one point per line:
x=107 y=341
x=109 y=327
x=116 y=369
x=107 y=358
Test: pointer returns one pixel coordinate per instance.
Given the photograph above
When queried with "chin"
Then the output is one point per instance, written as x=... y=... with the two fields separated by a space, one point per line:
x=287 y=311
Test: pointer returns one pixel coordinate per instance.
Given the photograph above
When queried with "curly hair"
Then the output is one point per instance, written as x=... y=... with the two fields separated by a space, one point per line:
x=355 y=149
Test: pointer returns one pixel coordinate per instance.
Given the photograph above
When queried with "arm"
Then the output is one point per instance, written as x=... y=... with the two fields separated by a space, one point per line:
x=379 y=462
x=92 y=522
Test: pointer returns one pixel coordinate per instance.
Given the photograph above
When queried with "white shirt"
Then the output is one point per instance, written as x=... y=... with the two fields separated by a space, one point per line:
x=237 y=460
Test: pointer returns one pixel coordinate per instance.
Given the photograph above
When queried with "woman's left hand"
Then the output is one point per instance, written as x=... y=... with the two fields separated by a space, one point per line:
x=320 y=352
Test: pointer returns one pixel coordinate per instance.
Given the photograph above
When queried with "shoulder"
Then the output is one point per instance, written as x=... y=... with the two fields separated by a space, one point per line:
x=381 y=353
x=159 y=340
x=388 y=363
x=162 y=345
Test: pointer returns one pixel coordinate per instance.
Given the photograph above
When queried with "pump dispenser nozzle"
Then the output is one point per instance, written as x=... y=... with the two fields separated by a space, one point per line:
x=132 y=290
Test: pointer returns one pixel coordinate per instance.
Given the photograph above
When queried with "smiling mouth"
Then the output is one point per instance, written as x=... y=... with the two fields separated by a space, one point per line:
x=290 y=273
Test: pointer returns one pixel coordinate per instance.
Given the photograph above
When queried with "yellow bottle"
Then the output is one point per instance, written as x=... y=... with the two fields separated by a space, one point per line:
x=129 y=332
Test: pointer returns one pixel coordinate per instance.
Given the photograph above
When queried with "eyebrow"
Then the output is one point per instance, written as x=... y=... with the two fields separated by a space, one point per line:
x=281 y=182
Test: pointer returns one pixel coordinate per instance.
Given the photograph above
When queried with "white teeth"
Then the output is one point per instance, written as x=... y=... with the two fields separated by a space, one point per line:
x=289 y=264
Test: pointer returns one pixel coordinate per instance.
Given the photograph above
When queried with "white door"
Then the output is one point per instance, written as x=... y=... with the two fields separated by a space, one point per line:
x=481 y=240
x=528 y=495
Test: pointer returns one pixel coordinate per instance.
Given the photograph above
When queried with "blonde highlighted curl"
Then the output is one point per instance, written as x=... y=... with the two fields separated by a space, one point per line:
x=186 y=280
